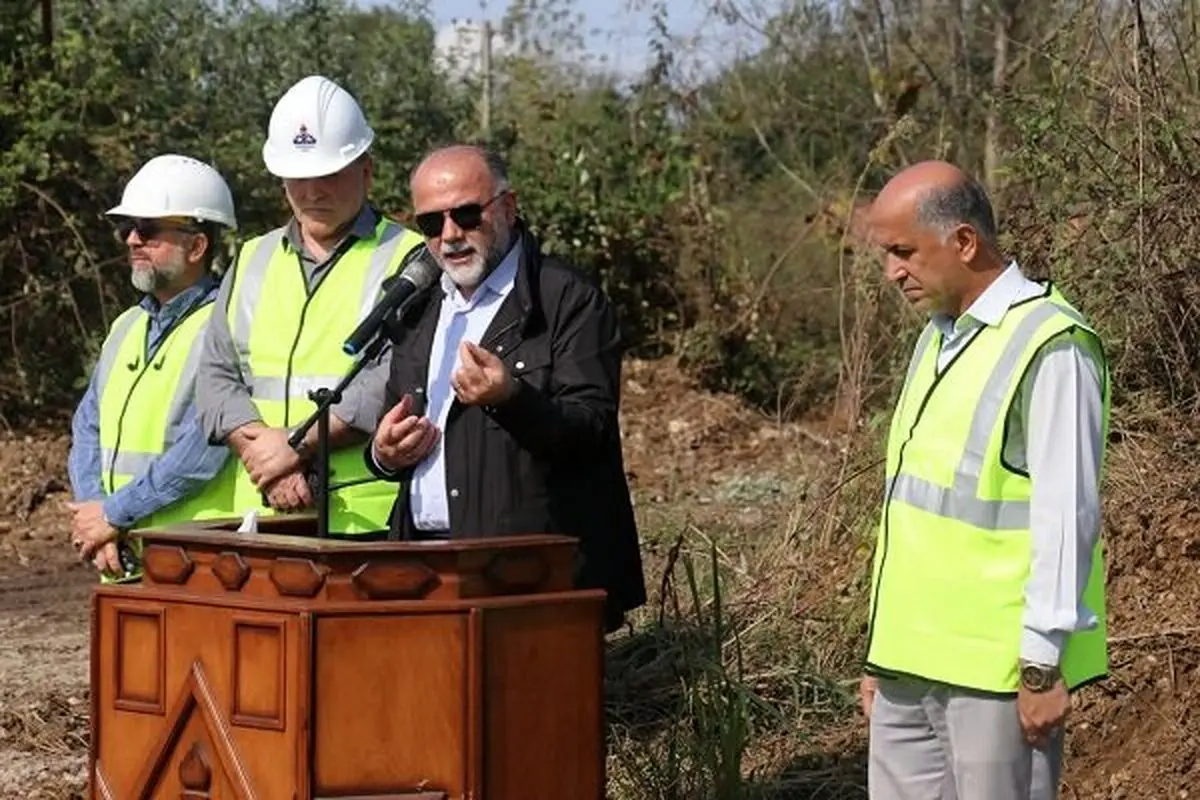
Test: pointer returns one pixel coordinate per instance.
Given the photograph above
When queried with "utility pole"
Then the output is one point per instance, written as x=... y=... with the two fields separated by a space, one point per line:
x=485 y=66
x=315 y=18
x=485 y=31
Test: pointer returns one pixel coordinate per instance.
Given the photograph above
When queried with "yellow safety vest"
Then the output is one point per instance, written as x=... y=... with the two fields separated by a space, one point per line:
x=954 y=542
x=289 y=341
x=140 y=401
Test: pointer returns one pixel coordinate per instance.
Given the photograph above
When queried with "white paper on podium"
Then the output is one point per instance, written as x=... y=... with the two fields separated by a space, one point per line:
x=249 y=522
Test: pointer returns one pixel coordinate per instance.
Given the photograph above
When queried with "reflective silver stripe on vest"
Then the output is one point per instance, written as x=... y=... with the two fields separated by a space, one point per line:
x=264 y=387
x=919 y=353
x=108 y=354
x=250 y=283
x=185 y=390
x=961 y=501
x=127 y=462
x=385 y=251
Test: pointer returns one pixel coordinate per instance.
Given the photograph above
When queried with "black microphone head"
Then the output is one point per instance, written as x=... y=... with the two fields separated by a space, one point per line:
x=422 y=270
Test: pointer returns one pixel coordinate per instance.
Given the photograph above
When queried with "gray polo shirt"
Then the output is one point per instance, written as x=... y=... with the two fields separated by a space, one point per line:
x=222 y=396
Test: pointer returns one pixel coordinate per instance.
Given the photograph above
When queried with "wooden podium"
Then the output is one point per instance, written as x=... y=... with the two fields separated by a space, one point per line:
x=275 y=665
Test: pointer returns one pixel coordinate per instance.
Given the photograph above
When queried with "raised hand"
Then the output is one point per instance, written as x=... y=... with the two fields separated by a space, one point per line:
x=402 y=438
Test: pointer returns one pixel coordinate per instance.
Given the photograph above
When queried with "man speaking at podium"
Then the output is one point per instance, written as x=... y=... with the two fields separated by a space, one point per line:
x=292 y=298
x=504 y=387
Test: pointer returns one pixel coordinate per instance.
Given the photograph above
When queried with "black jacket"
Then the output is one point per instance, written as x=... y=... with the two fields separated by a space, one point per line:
x=549 y=459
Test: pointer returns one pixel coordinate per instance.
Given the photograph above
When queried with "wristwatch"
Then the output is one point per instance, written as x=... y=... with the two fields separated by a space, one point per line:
x=1038 y=677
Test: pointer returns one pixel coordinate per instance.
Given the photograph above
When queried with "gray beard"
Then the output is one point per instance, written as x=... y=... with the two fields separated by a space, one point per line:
x=466 y=275
x=158 y=277
x=146 y=280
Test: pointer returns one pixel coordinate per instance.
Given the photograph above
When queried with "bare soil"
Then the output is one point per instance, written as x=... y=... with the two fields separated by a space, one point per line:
x=1135 y=736
x=44 y=596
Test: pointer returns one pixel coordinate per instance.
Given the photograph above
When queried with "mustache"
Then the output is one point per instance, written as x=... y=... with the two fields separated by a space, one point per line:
x=456 y=248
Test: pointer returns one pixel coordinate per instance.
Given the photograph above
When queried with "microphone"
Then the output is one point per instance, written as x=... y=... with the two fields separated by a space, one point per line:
x=420 y=274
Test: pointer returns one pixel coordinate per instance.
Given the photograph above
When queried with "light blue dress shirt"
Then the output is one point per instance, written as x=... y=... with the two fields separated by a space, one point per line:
x=460 y=319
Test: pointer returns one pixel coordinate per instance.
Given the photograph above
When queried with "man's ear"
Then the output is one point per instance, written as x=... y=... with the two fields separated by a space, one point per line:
x=966 y=241
x=510 y=207
x=368 y=170
x=202 y=244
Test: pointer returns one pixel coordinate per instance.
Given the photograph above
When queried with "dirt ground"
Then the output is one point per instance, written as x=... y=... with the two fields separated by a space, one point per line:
x=1136 y=736
x=43 y=626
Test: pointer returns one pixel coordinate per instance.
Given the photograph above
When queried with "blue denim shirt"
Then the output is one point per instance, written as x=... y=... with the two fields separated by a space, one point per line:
x=188 y=462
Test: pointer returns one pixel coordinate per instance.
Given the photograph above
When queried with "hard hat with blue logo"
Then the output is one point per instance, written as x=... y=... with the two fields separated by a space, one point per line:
x=317 y=128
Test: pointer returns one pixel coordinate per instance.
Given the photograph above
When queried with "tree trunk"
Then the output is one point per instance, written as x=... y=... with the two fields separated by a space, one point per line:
x=1005 y=12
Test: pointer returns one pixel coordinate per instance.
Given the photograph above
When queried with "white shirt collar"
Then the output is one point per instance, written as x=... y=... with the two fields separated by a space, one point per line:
x=991 y=306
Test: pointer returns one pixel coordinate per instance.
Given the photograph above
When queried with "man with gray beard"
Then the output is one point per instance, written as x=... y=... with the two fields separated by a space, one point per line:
x=139 y=457
x=504 y=387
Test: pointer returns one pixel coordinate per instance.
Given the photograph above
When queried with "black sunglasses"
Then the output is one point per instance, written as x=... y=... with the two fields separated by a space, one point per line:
x=148 y=229
x=468 y=217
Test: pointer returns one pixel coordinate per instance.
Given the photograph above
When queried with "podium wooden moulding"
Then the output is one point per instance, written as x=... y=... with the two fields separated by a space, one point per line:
x=279 y=665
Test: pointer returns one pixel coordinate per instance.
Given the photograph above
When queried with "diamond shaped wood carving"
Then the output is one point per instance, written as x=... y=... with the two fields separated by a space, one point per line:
x=296 y=577
x=167 y=564
x=231 y=570
x=394 y=580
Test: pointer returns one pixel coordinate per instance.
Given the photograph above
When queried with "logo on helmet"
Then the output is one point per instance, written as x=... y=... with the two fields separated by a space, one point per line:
x=303 y=139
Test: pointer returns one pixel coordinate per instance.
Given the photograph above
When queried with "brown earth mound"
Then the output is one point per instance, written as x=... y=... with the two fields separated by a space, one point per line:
x=1133 y=737
x=1138 y=734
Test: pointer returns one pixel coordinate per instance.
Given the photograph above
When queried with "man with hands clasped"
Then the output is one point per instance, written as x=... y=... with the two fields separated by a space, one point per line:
x=139 y=457
x=285 y=309
x=504 y=386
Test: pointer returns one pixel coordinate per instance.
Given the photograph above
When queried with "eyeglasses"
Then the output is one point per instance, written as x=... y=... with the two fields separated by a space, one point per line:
x=468 y=217
x=148 y=229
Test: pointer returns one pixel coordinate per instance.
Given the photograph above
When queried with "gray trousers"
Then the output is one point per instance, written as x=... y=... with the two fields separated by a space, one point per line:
x=935 y=742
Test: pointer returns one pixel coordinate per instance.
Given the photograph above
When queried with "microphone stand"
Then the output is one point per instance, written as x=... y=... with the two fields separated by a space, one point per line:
x=326 y=398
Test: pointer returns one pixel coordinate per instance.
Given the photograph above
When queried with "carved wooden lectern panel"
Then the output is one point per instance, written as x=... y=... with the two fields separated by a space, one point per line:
x=276 y=666
x=217 y=677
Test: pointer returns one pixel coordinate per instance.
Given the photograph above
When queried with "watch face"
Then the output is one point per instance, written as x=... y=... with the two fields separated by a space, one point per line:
x=1036 y=678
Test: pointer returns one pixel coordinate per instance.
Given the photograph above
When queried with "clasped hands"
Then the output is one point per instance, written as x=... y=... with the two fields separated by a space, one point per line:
x=93 y=536
x=403 y=438
x=274 y=466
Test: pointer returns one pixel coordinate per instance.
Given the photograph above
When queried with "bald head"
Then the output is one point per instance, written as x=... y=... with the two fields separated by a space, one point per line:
x=919 y=178
x=935 y=225
x=463 y=161
x=941 y=197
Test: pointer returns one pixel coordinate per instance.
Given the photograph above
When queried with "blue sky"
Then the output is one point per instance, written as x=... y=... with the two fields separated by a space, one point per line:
x=620 y=33
x=614 y=30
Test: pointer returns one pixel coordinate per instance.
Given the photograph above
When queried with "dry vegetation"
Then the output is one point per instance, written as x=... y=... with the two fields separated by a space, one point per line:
x=764 y=349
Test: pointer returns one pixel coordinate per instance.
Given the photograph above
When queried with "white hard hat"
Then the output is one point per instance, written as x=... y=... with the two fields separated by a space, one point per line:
x=316 y=129
x=177 y=186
